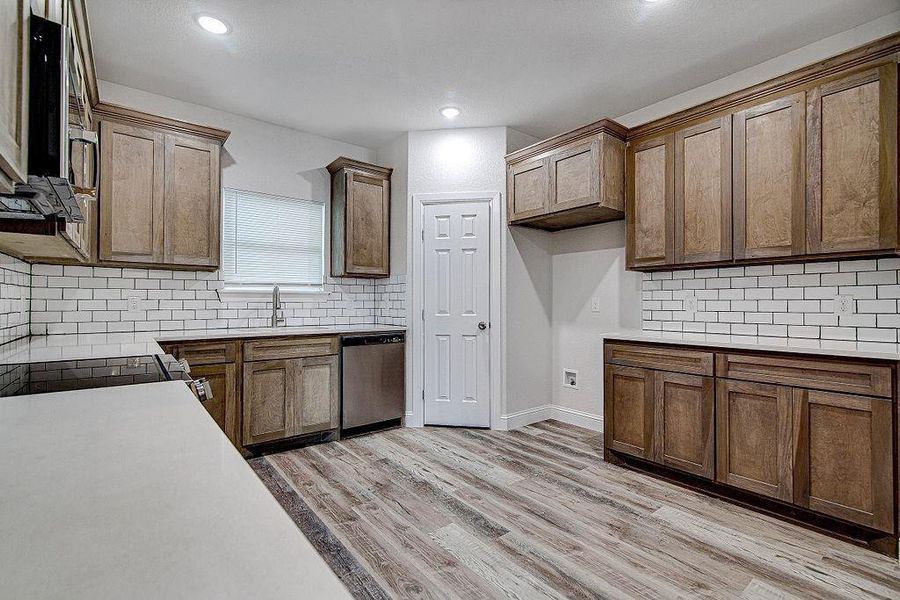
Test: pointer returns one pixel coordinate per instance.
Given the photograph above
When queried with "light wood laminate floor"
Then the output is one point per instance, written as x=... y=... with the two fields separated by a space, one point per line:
x=536 y=513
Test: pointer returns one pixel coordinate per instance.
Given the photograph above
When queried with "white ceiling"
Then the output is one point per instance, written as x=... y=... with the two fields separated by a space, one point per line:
x=363 y=71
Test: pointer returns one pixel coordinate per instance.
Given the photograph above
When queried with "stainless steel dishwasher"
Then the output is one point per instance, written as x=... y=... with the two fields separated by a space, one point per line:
x=373 y=382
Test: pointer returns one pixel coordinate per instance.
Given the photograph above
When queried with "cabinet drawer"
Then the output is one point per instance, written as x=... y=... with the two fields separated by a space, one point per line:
x=207 y=353
x=295 y=347
x=661 y=358
x=835 y=376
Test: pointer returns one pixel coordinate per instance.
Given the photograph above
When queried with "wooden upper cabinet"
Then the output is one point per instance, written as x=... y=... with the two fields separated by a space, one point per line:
x=703 y=192
x=844 y=465
x=650 y=203
x=360 y=219
x=14 y=16
x=753 y=438
x=769 y=172
x=575 y=179
x=683 y=419
x=192 y=202
x=629 y=410
x=132 y=185
x=159 y=190
x=528 y=189
x=851 y=187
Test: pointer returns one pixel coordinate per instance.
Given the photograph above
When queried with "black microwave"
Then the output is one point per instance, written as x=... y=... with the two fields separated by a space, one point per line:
x=55 y=130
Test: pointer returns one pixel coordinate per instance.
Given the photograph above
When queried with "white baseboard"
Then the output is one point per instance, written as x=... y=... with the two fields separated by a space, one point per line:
x=412 y=420
x=525 y=417
x=577 y=417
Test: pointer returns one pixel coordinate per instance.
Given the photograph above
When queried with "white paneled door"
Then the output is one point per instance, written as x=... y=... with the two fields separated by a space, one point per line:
x=456 y=271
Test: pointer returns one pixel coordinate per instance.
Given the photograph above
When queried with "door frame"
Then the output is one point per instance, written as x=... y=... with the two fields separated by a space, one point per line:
x=415 y=320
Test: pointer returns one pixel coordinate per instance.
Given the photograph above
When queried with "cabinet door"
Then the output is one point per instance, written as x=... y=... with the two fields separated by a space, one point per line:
x=318 y=407
x=628 y=410
x=13 y=93
x=844 y=457
x=683 y=437
x=270 y=390
x=528 y=189
x=650 y=203
x=131 y=193
x=851 y=183
x=191 y=212
x=575 y=176
x=753 y=438
x=223 y=406
x=703 y=192
x=367 y=243
x=769 y=171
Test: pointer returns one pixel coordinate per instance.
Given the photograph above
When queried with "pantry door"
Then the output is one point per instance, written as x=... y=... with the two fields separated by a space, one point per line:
x=456 y=269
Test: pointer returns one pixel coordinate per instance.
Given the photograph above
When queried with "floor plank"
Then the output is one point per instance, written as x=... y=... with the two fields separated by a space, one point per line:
x=536 y=513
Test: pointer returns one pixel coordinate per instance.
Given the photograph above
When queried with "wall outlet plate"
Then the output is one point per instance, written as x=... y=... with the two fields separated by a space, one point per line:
x=690 y=304
x=570 y=379
x=134 y=303
x=595 y=304
x=844 y=305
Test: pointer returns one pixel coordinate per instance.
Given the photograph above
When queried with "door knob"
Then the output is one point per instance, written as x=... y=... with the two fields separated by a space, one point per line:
x=482 y=326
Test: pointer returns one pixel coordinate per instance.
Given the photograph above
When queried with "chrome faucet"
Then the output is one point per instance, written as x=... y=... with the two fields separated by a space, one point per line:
x=276 y=307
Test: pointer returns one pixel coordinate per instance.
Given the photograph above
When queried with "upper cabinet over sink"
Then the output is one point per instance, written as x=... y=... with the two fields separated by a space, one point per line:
x=574 y=179
x=800 y=167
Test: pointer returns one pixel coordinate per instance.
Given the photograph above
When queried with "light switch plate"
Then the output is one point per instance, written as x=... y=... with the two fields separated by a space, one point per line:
x=595 y=304
x=844 y=305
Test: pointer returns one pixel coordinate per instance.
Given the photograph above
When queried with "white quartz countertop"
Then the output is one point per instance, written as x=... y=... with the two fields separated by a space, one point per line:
x=838 y=348
x=134 y=492
x=41 y=348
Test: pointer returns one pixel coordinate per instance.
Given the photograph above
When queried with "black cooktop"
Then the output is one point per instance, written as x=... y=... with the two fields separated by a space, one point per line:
x=59 y=376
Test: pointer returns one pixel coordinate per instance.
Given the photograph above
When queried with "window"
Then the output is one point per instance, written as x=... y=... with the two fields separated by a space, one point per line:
x=272 y=239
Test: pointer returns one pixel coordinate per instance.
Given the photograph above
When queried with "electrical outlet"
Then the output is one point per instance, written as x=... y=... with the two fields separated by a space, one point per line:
x=134 y=303
x=690 y=304
x=595 y=304
x=570 y=379
x=844 y=305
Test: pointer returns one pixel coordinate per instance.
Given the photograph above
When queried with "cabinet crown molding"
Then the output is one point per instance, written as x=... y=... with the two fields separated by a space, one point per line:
x=130 y=116
x=349 y=163
x=602 y=126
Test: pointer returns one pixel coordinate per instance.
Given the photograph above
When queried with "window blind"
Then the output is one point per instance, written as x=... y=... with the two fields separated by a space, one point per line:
x=272 y=239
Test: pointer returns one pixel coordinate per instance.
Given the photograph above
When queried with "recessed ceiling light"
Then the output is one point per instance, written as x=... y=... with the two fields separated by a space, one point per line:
x=450 y=112
x=212 y=24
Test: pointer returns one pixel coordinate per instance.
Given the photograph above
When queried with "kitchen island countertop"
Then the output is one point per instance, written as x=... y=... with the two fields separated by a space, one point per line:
x=134 y=492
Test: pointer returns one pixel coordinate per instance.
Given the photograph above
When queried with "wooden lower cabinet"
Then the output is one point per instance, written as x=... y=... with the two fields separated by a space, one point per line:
x=661 y=416
x=223 y=406
x=628 y=410
x=844 y=457
x=684 y=408
x=753 y=437
x=817 y=435
x=286 y=398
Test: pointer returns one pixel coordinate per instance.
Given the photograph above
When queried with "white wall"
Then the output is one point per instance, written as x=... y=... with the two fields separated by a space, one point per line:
x=472 y=160
x=589 y=262
x=395 y=154
x=258 y=156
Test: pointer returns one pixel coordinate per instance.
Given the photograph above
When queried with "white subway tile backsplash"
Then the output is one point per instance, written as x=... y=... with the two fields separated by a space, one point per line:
x=785 y=300
x=95 y=299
